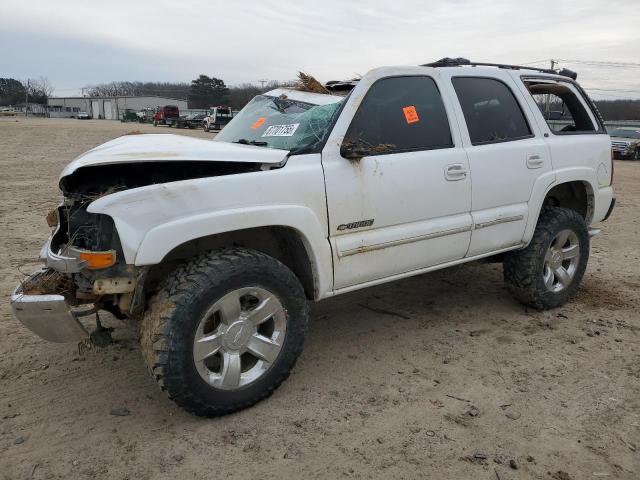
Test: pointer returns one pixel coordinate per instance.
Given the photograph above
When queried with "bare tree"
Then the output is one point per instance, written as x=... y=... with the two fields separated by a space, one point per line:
x=37 y=90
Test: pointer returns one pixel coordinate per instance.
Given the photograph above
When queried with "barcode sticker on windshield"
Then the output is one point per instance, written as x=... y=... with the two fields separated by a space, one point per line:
x=281 y=130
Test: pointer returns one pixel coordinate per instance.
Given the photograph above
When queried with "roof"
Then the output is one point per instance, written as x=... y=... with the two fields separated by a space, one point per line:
x=462 y=62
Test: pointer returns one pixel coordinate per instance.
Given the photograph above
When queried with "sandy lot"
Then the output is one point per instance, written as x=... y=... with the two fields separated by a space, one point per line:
x=458 y=383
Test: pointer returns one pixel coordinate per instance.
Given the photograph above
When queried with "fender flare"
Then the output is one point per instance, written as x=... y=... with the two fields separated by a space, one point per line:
x=163 y=238
x=546 y=183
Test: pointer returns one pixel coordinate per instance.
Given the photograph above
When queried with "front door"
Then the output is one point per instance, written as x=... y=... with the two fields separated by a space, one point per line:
x=405 y=205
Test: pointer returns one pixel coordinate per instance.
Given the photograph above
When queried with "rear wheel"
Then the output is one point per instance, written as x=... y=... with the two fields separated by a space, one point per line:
x=548 y=272
x=225 y=331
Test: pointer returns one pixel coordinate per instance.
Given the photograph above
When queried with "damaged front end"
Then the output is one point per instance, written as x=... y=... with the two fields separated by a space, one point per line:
x=85 y=267
x=84 y=271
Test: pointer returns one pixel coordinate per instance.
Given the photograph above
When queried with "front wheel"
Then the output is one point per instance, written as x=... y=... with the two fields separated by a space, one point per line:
x=548 y=272
x=225 y=330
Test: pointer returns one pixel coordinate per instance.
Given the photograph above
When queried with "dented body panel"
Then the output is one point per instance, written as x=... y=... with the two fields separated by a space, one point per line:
x=166 y=147
x=155 y=219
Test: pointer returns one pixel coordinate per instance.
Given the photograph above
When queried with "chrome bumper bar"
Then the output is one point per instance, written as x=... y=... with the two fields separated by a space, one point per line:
x=48 y=316
x=69 y=263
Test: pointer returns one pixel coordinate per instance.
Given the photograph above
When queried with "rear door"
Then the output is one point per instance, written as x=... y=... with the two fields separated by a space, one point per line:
x=405 y=205
x=507 y=155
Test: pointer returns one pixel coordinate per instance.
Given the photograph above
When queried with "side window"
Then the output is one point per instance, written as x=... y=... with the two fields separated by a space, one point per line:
x=490 y=109
x=561 y=108
x=400 y=114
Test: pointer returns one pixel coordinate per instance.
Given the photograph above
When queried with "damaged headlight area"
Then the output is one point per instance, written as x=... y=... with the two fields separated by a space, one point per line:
x=84 y=259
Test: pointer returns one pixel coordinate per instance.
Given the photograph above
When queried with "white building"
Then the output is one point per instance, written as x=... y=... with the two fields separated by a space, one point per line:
x=109 y=108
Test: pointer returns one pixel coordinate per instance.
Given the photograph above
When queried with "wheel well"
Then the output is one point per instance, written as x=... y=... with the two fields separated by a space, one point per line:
x=282 y=243
x=576 y=196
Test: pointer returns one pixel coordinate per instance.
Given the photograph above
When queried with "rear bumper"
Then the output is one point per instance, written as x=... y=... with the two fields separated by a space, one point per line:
x=48 y=316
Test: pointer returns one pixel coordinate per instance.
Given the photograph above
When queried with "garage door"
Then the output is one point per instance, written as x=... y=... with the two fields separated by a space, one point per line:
x=107 y=111
x=95 y=109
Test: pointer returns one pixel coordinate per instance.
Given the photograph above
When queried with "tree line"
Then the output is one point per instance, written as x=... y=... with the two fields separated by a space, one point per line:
x=619 y=109
x=204 y=92
x=35 y=90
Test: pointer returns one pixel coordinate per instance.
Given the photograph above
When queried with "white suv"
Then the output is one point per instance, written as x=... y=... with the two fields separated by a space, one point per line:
x=218 y=246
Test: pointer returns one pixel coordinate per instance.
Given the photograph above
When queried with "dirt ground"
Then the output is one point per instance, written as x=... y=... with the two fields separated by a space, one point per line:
x=440 y=376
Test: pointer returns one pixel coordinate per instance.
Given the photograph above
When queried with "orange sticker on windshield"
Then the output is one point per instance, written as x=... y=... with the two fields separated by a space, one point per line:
x=258 y=123
x=410 y=114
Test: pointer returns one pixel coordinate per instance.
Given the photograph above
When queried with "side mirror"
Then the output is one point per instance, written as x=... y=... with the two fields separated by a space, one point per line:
x=354 y=152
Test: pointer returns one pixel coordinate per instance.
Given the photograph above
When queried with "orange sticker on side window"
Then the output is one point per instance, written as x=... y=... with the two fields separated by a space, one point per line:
x=410 y=114
x=258 y=123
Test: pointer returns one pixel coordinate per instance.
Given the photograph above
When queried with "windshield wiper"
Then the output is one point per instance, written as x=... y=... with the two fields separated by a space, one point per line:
x=244 y=141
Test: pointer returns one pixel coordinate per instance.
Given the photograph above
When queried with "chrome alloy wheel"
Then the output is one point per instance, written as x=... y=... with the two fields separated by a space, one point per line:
x=561 y=261
x=239 y=338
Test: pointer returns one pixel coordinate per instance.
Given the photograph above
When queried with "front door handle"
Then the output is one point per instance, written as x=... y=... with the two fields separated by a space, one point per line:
x=455 y=172
x=535 y=161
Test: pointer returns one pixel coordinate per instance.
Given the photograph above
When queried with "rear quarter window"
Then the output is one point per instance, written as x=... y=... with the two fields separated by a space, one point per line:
x=490 y=110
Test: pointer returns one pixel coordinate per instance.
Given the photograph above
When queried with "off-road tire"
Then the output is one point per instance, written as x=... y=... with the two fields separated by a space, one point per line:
x=206 y=127
x=523 y=269
x=168 y=327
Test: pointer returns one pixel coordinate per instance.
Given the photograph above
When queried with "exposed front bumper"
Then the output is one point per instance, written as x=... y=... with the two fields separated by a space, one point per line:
x=48 y=316
x=69 y=263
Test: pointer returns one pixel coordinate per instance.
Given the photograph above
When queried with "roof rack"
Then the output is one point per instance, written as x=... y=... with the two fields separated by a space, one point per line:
x=458 y=62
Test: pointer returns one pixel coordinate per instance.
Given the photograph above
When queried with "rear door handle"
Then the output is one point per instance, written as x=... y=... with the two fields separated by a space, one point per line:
x=535 y=161
x=454 y=172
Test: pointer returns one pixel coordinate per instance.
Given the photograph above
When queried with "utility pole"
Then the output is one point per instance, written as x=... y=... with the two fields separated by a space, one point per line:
x=262 y=82
x=26 y=100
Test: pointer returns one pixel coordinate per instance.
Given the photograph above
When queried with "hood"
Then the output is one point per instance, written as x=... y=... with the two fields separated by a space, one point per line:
x=172 y=148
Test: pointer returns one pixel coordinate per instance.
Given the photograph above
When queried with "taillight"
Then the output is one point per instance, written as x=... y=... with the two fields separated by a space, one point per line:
x=612 y=167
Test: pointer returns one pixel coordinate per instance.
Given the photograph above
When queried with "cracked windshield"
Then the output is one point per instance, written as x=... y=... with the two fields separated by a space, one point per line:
x=281 y=123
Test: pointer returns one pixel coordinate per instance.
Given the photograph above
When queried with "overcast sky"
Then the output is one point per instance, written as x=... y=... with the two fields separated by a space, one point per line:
x=76 y=43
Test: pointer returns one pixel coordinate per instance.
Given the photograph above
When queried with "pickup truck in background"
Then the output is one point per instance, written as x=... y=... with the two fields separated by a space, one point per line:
x=217 y=119
x=166 y=115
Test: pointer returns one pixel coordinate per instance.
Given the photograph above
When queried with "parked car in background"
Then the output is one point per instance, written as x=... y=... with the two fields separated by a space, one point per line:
x=625 y=143
x=7 y=112
x=190 y=121
x=166 y=115
x=83 y=116
x=218 y=117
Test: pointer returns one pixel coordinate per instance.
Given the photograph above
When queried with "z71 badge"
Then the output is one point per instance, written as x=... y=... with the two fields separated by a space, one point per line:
x=351 y=226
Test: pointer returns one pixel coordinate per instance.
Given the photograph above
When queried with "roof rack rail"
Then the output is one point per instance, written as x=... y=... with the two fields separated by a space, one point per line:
x=458 y=62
